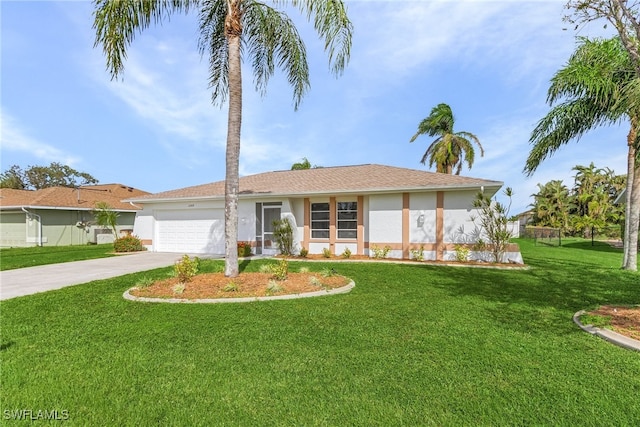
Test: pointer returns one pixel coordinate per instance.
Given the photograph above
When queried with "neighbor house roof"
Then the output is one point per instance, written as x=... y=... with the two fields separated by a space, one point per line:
x=330 y=180
x=82 y=198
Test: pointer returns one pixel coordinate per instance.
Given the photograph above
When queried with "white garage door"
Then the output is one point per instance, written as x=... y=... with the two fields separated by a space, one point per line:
x=199 y=231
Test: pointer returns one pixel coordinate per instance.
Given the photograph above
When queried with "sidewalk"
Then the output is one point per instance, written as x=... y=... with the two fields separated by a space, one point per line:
x=31 y=280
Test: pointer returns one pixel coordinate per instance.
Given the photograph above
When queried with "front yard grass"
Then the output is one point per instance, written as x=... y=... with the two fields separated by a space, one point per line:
x=11 y=258
x=410 y=345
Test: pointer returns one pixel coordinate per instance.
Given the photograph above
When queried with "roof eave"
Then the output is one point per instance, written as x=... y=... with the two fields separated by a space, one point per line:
x=487 y=185
x=60 y=208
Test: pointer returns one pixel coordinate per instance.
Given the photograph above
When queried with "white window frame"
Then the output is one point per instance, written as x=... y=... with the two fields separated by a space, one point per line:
x=317 y=232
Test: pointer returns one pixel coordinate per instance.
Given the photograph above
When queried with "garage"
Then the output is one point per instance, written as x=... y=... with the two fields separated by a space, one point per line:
x=197 y=231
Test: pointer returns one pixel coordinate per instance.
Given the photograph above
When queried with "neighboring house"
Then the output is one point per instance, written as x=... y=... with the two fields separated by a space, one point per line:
x=354 y=207
x=59 y=216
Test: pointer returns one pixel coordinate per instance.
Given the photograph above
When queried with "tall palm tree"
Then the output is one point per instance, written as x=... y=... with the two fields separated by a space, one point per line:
x=450 y=149
x=597 y=88
x=229 y=29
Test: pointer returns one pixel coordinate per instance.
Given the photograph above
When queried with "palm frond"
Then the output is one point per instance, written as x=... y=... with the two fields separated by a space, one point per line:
x=272 y=39
x=332 y=24
x=118 y=21
x=212 y=40
x=565 y=122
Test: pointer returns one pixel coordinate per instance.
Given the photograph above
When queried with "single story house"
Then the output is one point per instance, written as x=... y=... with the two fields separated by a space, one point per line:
x=359 y=208
x=59 y=216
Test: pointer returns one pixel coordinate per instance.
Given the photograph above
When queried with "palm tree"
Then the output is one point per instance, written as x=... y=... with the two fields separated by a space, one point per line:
x=304 y=164
x=597 y=85
x=552 y=205
x=450 y=149
x=228 y=29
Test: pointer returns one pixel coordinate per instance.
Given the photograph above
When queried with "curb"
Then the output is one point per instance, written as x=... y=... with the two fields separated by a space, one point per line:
x=606 y=334
x=343 y=290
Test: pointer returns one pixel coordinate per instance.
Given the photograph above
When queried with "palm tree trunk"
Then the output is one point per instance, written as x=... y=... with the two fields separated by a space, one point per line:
x=632 y=210
x=634 y=219
x=232 y=179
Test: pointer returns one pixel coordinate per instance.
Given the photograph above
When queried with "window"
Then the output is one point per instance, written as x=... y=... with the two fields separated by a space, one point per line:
x=347 y=220
x=320 y=220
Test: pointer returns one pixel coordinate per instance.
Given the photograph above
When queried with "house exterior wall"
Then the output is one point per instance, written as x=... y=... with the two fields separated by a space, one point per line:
x=59 y=227
x=458 y=227
x=436 y=222
x=13 y=229
x=385 y=223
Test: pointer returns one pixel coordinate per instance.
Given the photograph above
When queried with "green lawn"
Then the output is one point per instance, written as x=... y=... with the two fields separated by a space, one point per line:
x=410 y=345
x=11 y=258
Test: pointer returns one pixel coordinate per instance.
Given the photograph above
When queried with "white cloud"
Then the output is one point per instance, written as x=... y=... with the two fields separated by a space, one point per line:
x=14 y=138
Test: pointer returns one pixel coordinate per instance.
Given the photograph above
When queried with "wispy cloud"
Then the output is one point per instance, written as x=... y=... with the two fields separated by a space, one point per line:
x=13 y=137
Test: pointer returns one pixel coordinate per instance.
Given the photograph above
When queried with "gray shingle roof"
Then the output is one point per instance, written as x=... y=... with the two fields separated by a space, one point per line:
x=360 y=179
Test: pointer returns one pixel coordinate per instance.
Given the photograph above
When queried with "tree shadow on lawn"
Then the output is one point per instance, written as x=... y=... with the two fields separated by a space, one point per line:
x=596 y=246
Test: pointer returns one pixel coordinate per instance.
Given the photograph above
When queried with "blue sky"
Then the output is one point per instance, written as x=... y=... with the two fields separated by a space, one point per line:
x=156 y=129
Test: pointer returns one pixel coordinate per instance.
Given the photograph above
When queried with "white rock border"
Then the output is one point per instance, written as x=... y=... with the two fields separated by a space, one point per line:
x=343 y=290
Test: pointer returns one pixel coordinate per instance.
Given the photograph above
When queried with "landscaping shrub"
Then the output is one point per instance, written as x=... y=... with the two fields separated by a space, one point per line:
x=493 y=220
x=129 y=243
x=346 y=254
x=244 y=249
x=380 y=253
x=273 y=287
x=462 y=253
x=417 y=254
x=186 y=268
x=283 y=233
x=231 y=287
x=304 y=252
x=280 y=271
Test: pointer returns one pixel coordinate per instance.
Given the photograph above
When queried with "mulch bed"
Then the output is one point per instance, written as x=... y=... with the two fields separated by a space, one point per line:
x=624 y=320
x=211 y=285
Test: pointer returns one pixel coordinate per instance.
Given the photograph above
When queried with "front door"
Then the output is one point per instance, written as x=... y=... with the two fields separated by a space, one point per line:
x=270 y=213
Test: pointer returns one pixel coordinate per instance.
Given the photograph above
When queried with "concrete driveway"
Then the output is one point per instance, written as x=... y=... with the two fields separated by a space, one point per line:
x=31 y=280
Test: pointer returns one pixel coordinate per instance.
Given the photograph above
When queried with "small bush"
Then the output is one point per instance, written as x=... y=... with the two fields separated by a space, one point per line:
x=129 y=243
x=178 y=288
x=417 y=254
x=265 y=268
x=326 y=253
x=380 y=253
x=304 y=252
x=273 y=287
x=346 y=254
x=462 y=253
x=315 y=281
x=231 y=287
x=186 y=268
x=280 y=270
x=244 y=249
x=328 y=272
x=145 y=282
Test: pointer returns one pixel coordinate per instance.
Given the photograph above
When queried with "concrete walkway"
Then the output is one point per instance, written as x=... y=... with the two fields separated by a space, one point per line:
x=31 y=280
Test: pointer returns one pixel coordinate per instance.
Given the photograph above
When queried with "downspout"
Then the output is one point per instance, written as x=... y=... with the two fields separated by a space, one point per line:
x=39 y=224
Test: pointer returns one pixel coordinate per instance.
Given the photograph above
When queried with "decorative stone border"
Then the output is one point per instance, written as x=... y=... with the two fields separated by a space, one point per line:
x=343 y=290
x=606 y=334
